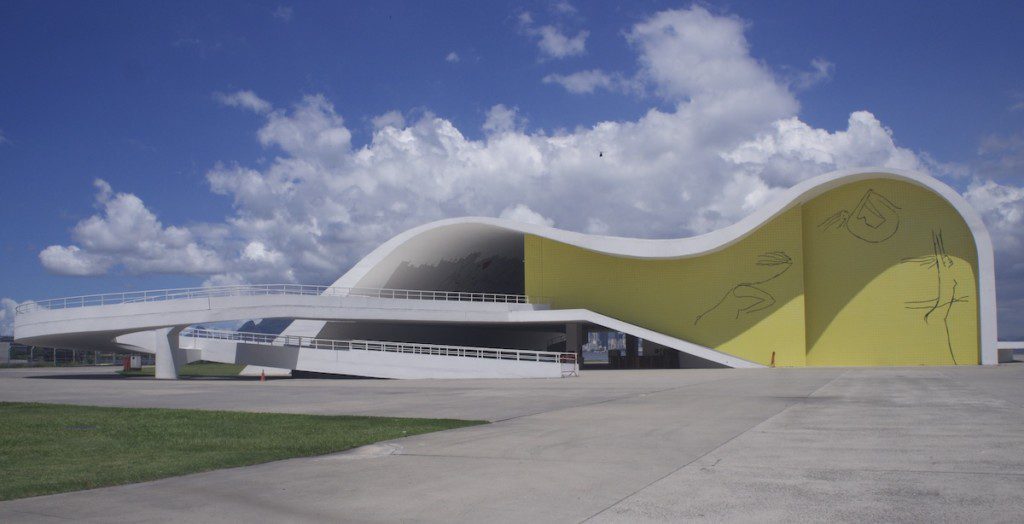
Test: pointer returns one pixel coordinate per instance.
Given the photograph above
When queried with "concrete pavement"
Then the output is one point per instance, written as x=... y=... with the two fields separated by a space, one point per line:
x=908 y=444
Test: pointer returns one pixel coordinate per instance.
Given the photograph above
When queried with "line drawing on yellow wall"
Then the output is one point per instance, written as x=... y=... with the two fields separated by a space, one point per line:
x=875 y=218
x=747 y=297
x=945 y=294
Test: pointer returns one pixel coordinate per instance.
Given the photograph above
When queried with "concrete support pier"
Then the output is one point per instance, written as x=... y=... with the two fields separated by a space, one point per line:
x=169 y=357
x=632 y=352
x=574 y=340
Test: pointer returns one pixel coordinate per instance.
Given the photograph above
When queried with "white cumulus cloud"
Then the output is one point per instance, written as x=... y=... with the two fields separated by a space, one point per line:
x=555 y=44
x=522 y=213
x=127 y=234
x=792 y=150
x=821 y=71
x=313 y=130
x=244 y=99
x=552 y=41
x=72 y=260
x=563 y=7
x=691 y=53
x=389 y=119
x=583 y=82
x=502 y=119
x=1002 y=207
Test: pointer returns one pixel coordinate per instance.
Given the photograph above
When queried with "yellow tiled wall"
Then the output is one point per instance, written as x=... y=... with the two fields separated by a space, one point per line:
x=763 y=270
x=872 y=303
x=843 y=280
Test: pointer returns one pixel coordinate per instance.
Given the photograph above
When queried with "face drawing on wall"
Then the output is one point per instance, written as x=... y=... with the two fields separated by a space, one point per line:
x=747 y=297
x=874 y=219
x=943 y=267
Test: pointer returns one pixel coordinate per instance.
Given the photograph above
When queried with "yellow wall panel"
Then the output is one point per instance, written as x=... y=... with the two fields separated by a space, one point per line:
x=890 y=278
x=879 y=272
x=746 y=300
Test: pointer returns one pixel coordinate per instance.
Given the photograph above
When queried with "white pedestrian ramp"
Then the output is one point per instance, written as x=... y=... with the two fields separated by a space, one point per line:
x=374 y=358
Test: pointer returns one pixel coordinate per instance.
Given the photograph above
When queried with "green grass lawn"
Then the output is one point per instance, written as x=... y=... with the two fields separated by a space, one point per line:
x=195 y=369
x=51 y=448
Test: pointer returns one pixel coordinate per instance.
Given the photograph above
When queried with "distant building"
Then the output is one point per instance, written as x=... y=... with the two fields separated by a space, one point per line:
x=5 y=349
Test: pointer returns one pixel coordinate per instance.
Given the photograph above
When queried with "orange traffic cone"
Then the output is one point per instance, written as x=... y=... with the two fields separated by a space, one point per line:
x=263 y=373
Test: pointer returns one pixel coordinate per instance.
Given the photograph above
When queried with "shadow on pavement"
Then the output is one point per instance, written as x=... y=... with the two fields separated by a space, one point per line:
x=115 y=376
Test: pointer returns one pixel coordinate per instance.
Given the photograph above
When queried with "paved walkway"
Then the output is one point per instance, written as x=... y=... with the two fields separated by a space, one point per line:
x=911 y=444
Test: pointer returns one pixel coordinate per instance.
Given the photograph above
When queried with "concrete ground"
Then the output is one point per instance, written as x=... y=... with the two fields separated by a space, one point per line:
x=899 y=444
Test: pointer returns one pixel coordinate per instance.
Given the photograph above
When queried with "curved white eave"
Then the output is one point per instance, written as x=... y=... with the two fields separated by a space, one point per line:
x=727 y=236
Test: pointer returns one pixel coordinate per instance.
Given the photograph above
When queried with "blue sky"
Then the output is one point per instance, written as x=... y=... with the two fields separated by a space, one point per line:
x=180 y=107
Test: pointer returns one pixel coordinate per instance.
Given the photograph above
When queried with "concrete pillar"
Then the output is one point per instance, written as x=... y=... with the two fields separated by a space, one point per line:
x=574 y=340
x=632 y=353
x=169 y=358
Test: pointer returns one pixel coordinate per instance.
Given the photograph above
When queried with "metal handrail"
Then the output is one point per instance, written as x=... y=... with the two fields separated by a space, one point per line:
x=379 y=345
x=131 y=297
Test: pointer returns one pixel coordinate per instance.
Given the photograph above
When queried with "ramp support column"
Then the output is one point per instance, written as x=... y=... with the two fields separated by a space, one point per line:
x=574 y=340
x=632 y=352
x=169 y=357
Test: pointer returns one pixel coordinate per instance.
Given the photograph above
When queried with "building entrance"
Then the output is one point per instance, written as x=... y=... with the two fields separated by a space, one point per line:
x=606 y=349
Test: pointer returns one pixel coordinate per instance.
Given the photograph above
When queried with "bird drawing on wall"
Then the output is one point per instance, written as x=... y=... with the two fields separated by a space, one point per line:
x=748 y=297
x=946 y=294
x=874 y=219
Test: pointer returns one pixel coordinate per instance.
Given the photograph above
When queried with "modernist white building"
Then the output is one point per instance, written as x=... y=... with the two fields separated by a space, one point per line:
x=863 y=267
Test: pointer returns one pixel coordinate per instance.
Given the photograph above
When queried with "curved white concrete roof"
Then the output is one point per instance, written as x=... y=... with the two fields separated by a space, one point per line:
x=727 y=236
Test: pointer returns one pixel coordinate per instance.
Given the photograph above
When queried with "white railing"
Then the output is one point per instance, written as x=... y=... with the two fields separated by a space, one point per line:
x=158 y=295
x=566 y=359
